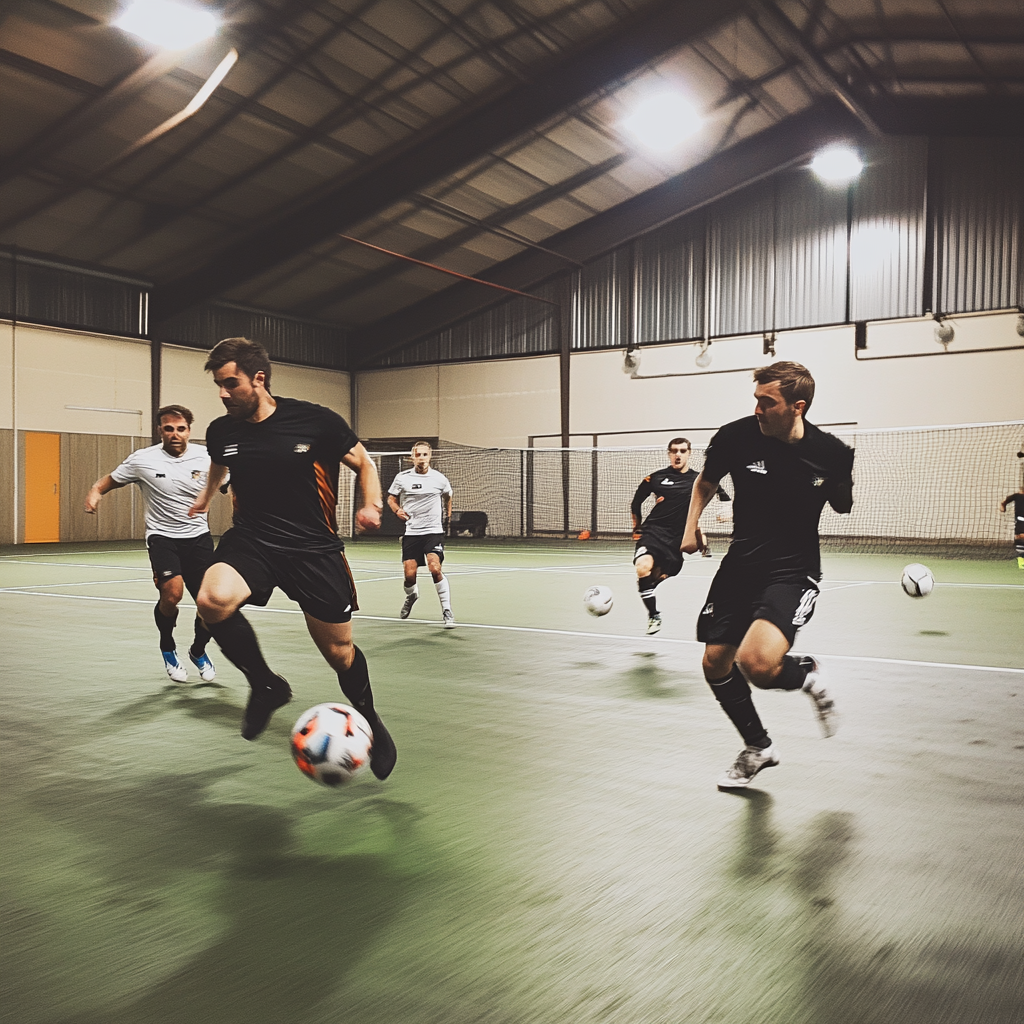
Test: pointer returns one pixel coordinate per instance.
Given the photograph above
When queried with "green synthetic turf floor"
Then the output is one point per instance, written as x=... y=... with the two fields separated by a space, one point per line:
x=551 y=846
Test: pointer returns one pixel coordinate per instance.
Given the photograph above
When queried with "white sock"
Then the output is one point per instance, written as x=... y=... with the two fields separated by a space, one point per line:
x=413 y=591
x=442 y=593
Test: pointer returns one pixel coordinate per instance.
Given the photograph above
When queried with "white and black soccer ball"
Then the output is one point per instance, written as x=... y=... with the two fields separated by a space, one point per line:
x=917 y=580
x=598 y=600
x=331 y=743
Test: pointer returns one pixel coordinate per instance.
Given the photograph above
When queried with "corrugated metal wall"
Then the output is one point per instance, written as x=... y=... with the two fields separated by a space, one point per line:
x=288 y=339
x=779 y=256
x=979 y=221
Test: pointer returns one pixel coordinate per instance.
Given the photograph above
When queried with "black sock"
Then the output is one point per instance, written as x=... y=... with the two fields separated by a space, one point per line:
x=733 y=693
x=236 y=639
x=355 y=684
x=647 y=586
x=202 y=638
x=166 y=627
x=792 y=676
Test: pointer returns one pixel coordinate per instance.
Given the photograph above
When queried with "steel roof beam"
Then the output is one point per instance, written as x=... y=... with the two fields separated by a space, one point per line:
x=757 y=157
x=440 y=150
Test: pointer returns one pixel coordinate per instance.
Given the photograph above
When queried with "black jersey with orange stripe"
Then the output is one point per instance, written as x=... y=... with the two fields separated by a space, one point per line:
x=284 y=473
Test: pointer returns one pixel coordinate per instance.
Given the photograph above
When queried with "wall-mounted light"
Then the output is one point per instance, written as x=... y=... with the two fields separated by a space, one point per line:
x=768 y=344
x=164 y=23
x=944 y=332
x=703 y=359
x=1020 y=325
x=631 y=363
x=837 y=164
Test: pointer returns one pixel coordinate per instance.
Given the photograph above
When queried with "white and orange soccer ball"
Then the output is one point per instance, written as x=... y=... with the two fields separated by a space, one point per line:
x=331 y=743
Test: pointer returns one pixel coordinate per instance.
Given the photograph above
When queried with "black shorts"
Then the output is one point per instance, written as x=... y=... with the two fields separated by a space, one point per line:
x=187 y=557
x=320 y=583
x=419 y=546
x=663 y=547
x=739 y=595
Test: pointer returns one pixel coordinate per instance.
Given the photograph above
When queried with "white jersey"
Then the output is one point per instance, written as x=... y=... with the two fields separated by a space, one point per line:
x=169 y=485
x=420 y=495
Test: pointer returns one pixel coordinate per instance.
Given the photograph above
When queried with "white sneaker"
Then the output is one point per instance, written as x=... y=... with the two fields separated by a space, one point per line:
x=824 y=705
x=206 y=670
x=750 y=761
x=177 y=672
x=410 y=600
x=447 y=619
x=653 y=624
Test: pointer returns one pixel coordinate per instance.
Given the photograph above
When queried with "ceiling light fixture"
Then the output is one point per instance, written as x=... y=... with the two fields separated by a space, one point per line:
x=167 y=24
x=943 y=332
x=703 y=359
x=663 y=120
x=631 y=363
x=837 y=164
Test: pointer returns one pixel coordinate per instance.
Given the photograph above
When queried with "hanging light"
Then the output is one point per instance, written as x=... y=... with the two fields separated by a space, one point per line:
x=165 y=23
x=631 y=363
x=944 y=332
x=837 y=164
x=662 y=121
x=703 y=359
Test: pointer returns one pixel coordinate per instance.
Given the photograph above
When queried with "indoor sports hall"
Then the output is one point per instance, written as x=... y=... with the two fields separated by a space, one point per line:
x=545 y=238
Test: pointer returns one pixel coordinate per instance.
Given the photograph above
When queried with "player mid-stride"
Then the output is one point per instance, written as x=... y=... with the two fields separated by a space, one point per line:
x=285 y=456
x=784 y=470
x=657 y=555
x=1017 y=501
x=416 y=497
x=170 y=475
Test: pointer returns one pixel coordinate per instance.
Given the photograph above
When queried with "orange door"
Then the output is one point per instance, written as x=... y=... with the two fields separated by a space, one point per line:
x=42 y=488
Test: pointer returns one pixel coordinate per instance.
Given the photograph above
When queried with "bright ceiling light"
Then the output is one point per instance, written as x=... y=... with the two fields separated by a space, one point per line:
x=662 y=120
x=837 y=164
x=168 y=24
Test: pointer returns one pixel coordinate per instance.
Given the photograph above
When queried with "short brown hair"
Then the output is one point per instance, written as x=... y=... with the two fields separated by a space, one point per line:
x=421 y=444
x=795 y=381
x=174 y=410
x=249 y=356
x=680 y=440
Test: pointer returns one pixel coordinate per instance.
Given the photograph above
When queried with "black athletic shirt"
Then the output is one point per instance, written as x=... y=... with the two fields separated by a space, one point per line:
x=671 y=489
x=780 y=490
x=1018 y=512
x=284 y=473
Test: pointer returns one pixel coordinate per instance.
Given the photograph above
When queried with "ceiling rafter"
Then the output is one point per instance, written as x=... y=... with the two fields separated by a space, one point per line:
x=432 y=154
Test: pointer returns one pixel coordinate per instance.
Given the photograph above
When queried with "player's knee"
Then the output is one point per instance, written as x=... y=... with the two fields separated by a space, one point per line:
x=215 y=604
x=717 y=664
x=339 y=654
x=759 y=670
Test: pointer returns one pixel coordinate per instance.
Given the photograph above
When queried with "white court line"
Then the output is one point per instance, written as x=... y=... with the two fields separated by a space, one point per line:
x=76 y=565
x=538 y=629
x=88 y=583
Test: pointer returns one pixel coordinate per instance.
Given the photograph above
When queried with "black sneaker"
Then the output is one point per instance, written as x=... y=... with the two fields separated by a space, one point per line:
x=383 y=753
x=264 y=700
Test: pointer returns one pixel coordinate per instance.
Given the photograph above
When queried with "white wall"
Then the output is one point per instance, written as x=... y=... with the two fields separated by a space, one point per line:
x=183 y=381
x=503 y=402
x=57 y=368
x=496 y=403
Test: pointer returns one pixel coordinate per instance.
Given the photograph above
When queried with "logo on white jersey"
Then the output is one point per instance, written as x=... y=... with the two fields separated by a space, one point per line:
x=300 y=448
x=416 y=487
x=758 y=467
x=230 y=449
x=196 y=474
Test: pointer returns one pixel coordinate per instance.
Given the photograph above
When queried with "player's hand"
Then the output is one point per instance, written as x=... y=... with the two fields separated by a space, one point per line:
x=1002 y=506
x=368 y=519
x=690 y=542
x=92 y=502
x=402 y=514
x=636 y=535
x=198 y=508
x=702 y=544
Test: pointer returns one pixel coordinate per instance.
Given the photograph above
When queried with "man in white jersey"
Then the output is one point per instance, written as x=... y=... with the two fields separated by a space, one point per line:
x=170 y=476
x=416 y=497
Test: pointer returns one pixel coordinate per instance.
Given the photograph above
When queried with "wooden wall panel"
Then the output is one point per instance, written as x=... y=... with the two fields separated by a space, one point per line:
x=79 y=470
x=115 y=515
x=7 y=490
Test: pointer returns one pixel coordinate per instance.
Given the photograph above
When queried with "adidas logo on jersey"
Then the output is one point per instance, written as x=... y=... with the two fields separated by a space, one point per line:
x=758 y=467
x=300 y=448
x=231 y=449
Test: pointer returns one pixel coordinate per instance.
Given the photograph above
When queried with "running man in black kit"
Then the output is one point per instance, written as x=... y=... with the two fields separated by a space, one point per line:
x=657 y=555
x=284 y=456
x=784 y=470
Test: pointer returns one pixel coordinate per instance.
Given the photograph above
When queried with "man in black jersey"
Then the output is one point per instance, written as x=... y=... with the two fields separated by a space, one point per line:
x=784 y=470
x=1017 y=500
x=657 y=555
x=284 y=457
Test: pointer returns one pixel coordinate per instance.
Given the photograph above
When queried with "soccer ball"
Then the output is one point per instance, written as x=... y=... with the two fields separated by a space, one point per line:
x=331 y=743
x=917 y=580
x=598 y=600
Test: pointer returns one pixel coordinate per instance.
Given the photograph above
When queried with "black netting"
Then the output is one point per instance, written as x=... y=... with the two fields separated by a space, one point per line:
x=934 y=488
